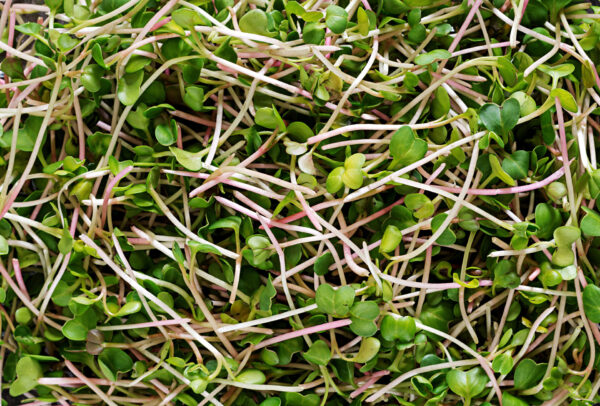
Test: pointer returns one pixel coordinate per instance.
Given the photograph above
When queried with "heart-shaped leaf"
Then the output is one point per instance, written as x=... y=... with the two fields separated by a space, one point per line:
x=401 y=328
x=255 y=22
x=500 y=121
x=406 y=148
x=336 y=19
x=467 y=384
x=363 y=315
x=528 y=373
x=129 y=87
x=28 y=373
x=319 y=353
x=335 y=302
x=114 y=360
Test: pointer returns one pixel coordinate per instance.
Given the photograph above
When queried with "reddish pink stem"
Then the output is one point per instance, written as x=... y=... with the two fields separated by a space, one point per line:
x=11 y=30
x=510 y=190
x=309 y=330
x=464 y=26
x=160 y=24
x=19 y=277
x=372 y=379
x=108 y=191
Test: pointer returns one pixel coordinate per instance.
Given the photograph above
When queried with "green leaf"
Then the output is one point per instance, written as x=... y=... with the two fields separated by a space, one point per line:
x=526 y=102
x=114 y=360
x=402 y=328
x=563 y=256
x=420 y=204
x=335 y=302
x=591 y=303
x=12 y=67
x=129 y=87
x=432 y=56
x=447 y=237
x=353 y=176
x=313 y=34
x=252 y=376
x=323 y=263
x=363 y=315
x=194 y=97
x=547 y=127
x=91 y=78
x=189 y=160
x=566 y=235
x=510 y=400
x=318 y=353
x=226 y=52
x=406 y=148
x=187 y=18
x=528 y=373
x=500 y=121
x=66 y=42
x=65 y=244
x=499 y=172
x=558 y=71
x=547 y=218
x=441 y=103
x=266 y=296
x=231 y=222
x=28 y=372
x=590 y=224
x=505 y=274
x=363 y=21
x=269 y=118
x=30 y=28
x=128 y=308
x=336 y=19
x=555 y=6
x=293 y=7
x=75 y=330
x=3 y=245
x=299 y=131
x=369 y=348
x=567 y=101
x=392 y=237
x=334 y=180
x=467 y=384
x=502 y=363
x=166 y=134
x=255 y=22
x=516 y=165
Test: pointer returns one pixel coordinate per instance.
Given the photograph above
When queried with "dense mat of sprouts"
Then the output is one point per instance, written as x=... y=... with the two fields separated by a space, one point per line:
x=241 y=202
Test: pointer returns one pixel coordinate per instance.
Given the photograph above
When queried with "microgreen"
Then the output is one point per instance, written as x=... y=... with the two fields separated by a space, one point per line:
x=299 y=203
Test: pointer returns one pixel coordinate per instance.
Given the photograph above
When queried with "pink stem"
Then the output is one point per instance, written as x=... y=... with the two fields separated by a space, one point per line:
x=534 y=274
x=464 y=26
x=510 y=190
x=372 y=379
x=108 y=190
x=19 y=277
x=11 y=30
x=160 y=24
x=308 y=330
x=481 y=48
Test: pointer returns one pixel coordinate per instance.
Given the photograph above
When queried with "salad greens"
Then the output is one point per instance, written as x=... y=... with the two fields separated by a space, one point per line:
x=275 y=202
